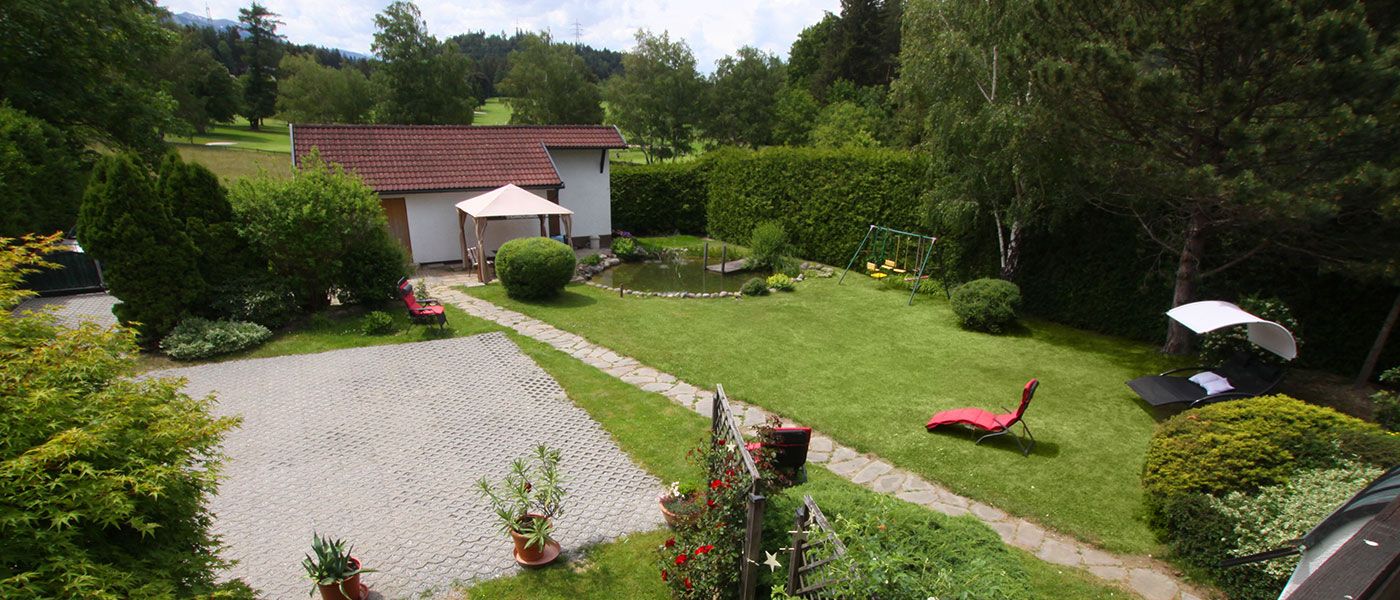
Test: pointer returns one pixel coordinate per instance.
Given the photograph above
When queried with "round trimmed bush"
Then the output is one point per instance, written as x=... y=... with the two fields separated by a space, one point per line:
x=754 y=287
x=535 y=268
x=986 y=304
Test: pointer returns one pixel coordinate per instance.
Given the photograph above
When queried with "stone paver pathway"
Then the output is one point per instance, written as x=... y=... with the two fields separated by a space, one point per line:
x=1147 y=577
x=382 y=446
x=72 y=310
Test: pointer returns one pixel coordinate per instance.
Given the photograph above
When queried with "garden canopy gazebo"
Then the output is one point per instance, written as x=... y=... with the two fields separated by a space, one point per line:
x=503 y=203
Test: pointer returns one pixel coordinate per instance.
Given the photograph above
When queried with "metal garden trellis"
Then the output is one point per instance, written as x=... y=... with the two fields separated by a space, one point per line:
x=881 y=237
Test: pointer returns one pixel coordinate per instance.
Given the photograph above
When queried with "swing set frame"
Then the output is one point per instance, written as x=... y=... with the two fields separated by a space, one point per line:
x=921 y=253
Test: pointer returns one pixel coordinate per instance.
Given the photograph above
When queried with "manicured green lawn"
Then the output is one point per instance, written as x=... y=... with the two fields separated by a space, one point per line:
x=856 y=363
x=494 y=112
x=271 y=137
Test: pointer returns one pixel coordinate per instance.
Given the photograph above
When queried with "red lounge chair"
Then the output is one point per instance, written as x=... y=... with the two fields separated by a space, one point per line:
x=996 y=424
x=426 y=312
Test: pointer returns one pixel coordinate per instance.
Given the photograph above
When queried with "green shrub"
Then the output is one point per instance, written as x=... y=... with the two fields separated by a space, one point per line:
x=200 y=205
x=323 y=232
x=627 y=248
x=148 y=262
x=107 y=476
x=41 y=176
x=592 y=260
x=260 y=299
x=534 y=268
x=1275 y=515
x=1221 y=345
x=767 y=246
x=986 y=304
x=754 y=287
x=1387 y=403
x=379 y=323
x=196 y=338
x=781 y=282
x=660 y=198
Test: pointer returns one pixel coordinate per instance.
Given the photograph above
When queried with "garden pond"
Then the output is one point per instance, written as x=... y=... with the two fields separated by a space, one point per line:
x=674 y=274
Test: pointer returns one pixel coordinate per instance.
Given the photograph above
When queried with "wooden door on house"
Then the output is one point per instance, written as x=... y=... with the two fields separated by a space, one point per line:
x=554 y=226
x=397 y=215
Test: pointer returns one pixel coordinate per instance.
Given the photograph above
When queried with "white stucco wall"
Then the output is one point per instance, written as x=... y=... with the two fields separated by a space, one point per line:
x=586 y=191
x=432 y=224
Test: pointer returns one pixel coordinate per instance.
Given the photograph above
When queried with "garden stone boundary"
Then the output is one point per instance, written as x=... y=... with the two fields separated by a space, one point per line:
x=1149 y=578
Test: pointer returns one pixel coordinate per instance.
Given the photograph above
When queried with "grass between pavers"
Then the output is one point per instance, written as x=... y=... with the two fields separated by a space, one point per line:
x=857 y=364
x=273 y=136
x=651 y=429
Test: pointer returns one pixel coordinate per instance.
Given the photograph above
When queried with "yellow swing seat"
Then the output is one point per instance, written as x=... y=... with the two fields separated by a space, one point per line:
x=874 y=271
x=893 y=266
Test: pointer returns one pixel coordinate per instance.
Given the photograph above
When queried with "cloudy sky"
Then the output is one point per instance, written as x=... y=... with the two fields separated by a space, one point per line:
x=713 y=28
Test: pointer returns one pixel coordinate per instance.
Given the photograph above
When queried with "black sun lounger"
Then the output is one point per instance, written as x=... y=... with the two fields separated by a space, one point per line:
x=1249 y=377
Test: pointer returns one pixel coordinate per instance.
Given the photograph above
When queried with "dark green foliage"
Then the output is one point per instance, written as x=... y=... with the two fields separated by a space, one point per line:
x=768 y=244
x=195 y=338
x=1387 y=406
x=741 y=101
x=199 y=204
x=825 y=199
x=421 y=80
x=794 y=111
x=310 y=92
x=534 y=268
x=986 y=304
x=84 y=67
x=106 y=476
x=755 y=287
x=259 y=298
x=323 y=232
x=627 y=248
x=549 y=83
x=1221 y=345
x=659 y=198
x=592 y=260
x=379 y=323
x=203 y=90
x=41 y=176
x=263 y=51
x=148 y=261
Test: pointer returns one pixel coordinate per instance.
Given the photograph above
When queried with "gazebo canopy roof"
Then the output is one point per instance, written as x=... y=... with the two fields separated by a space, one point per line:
x=1209 y=315
x=510 y=201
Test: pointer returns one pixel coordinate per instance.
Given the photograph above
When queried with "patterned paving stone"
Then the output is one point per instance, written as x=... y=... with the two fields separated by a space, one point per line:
x=72 y=310
x=382 y=445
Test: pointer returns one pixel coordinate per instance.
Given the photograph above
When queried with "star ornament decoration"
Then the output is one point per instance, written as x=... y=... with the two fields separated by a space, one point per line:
x=772 y=561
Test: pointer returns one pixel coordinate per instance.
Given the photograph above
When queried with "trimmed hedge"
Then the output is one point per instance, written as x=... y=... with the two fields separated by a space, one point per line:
x=825 y=199
x=662 y=198
x=195 y=338
x=534 y=268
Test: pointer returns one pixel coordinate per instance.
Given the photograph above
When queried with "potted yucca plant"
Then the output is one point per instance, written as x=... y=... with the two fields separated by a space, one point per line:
x=526 y=502
x=333 y=571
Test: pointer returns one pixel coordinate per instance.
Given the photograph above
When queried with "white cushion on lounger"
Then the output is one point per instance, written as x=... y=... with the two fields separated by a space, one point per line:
x=1205 y=377
x=1218 y=385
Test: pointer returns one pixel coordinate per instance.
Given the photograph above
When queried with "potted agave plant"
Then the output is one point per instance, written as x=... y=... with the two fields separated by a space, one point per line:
x=333 y=571
x=526 y=502
x=680 y=505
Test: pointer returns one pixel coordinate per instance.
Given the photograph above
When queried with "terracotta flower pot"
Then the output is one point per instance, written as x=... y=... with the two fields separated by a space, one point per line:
x=523 y=551
x=674 y=520
x=353 y=589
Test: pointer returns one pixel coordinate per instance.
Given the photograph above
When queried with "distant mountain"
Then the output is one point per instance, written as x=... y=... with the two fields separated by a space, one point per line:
x=198 y=21
x=193 y=20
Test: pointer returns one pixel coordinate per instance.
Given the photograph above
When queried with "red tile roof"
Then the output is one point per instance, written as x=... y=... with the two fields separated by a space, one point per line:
x=420 y=158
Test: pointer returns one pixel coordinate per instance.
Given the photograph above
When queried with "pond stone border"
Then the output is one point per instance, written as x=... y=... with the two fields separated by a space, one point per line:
x=1148 y=577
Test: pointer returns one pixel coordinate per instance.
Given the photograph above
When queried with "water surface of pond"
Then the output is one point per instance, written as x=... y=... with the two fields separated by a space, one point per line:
x=681 y=274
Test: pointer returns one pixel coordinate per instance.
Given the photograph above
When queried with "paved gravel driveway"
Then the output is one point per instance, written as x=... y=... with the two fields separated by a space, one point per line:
x=381 y=446
x=72 y=310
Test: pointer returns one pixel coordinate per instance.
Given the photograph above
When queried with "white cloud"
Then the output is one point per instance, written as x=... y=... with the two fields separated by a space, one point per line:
x=712 y=28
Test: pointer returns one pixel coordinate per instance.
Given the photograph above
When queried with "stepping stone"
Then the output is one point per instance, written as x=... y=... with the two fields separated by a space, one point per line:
x=987 y=513
x=915 y=484
x=849 y=468
x=1152 y=585
x=1094 y=556
x=948 y=509
x=1007 y=531
x=1058 y=552
x=872 y=471
x=1111 y=573
x=920 y=498
x=843 y=454
x=818 y=457
x=820 y=443
x=889 y=483
x=1028 y=536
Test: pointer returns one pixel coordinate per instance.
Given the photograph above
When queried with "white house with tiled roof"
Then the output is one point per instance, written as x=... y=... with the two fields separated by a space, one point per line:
x=422 y=171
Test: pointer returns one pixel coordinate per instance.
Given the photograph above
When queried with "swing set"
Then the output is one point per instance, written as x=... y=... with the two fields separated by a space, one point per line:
x=893 y=253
